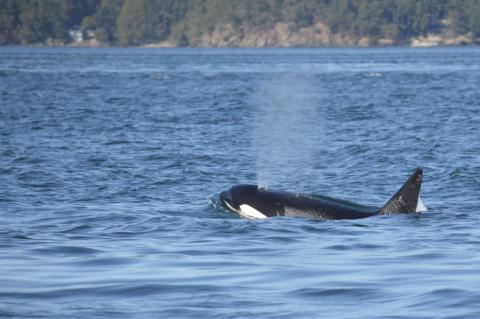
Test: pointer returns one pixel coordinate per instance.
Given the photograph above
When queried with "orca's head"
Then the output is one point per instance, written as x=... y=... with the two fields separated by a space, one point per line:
x=238 y=195
x=249 y=200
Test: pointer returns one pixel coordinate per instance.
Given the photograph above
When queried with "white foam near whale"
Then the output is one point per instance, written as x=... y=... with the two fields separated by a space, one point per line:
x=421 y=207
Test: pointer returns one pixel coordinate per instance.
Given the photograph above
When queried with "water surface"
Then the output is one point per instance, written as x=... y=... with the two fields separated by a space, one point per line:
x=110 y=161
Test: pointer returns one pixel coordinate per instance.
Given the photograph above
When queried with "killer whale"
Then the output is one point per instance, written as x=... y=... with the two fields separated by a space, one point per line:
x=255 y=202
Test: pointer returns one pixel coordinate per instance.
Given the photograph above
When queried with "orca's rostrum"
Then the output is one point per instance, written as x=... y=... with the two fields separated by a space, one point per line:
x=256 y=202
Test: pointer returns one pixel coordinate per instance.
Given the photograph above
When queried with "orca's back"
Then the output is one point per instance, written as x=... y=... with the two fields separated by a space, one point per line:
x=322 y=207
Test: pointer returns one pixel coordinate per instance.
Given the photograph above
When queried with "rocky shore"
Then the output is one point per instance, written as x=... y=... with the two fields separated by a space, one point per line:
x=316 y=35
x=285 y=34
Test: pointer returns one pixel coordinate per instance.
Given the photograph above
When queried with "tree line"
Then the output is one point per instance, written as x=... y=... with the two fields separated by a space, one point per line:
x=183 y=22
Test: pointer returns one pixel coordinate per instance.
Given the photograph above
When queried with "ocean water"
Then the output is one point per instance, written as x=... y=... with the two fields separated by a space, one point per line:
x=111 y=161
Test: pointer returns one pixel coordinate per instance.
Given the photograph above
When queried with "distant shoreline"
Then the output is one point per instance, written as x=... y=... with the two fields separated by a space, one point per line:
x=266 y=40
x=237 y=47
x=242 y=24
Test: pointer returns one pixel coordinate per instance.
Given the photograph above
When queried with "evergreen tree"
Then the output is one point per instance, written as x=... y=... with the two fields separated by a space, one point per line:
x=105 y=20
x=131 y=23
x=8 y=21
x=136 y=22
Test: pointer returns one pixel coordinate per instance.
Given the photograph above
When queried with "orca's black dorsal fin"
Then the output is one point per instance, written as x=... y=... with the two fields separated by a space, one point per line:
x=406 y=199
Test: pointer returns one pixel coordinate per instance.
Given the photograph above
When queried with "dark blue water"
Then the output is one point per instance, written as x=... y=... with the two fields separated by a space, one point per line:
x=110 y=161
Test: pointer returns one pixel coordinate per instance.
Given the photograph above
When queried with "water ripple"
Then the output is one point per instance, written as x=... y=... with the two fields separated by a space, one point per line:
x=111 y=160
